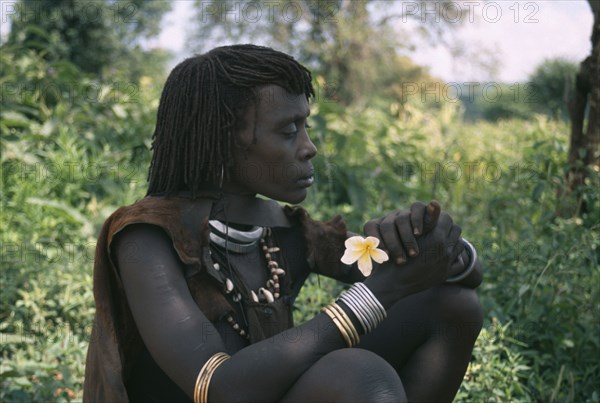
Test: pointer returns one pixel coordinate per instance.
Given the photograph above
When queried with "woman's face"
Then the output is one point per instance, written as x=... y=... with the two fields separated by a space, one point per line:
x=275 y=162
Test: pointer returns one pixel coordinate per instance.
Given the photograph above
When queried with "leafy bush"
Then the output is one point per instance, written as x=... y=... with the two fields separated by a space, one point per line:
x=70 y=155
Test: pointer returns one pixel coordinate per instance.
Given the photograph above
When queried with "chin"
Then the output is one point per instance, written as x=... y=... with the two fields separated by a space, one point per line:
x=295 y=197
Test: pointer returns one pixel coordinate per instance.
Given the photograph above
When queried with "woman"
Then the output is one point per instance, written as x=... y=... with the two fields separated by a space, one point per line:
x=194 y=284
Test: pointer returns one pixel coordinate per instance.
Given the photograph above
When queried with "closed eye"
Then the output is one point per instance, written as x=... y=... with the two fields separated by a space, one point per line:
x=292 y=129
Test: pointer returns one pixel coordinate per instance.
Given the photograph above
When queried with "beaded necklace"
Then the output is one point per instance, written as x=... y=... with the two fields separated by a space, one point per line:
x=232 y=240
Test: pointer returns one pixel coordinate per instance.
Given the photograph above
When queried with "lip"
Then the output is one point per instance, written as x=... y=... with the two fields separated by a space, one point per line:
x=307 y=180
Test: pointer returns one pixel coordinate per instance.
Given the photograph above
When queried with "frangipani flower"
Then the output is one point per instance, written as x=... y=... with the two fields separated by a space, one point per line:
x=363 y=250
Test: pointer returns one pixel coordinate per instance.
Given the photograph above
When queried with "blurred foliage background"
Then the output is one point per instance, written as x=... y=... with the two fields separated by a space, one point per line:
x=78 y=107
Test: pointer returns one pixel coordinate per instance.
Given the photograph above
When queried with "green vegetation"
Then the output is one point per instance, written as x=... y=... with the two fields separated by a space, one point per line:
x=97 y=36
x=75 y=147
x=545 y=92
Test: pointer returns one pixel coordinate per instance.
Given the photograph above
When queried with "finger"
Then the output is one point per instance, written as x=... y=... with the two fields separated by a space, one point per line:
x=417 y=216
x=457 y=265
x=371 y=228
x=391 y=238
x=432 y=215
x=407 y=237
x=455 y=244
x=444 y=223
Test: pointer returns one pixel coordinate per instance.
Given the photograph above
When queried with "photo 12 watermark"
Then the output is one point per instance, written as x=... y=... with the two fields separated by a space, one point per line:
x=253 y=12
x=86 y=12
x=470 y=91
x=457 y=12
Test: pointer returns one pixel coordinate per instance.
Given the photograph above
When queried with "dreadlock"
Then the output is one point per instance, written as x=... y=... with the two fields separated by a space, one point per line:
x=201 y=107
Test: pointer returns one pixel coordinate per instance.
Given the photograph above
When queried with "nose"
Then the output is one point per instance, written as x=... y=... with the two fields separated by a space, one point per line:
x=307 y=149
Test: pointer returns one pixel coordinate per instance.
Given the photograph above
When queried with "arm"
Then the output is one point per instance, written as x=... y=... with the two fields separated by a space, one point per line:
x=181 y=339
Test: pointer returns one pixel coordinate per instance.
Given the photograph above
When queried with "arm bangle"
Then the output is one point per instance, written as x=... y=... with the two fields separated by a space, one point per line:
x=204 y=376
x=465 y=273
x=364 y=305
x=346 y=319
x=343 y=324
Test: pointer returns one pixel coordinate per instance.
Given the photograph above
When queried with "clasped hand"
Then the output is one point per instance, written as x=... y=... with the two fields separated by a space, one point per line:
x=422 y=243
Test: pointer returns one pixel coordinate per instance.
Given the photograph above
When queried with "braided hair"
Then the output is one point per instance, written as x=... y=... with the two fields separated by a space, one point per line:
x=202 y=106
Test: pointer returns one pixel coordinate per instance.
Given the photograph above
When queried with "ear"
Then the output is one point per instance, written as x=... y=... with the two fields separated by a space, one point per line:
x=245 y=133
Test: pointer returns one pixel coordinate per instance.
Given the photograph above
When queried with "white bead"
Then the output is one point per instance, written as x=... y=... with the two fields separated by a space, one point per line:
x=228 y=286
x=273 y=249
x=216 y=266
x=278 y=271
x=267 y=294
x=254 y=296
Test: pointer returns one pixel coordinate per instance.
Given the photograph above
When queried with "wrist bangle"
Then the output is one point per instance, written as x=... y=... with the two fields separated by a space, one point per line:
x=346 y=319
x=472 y=258
x=343 y=323
x=359 y=308
x=378 y=309
x=205 y=375
x=364 y=305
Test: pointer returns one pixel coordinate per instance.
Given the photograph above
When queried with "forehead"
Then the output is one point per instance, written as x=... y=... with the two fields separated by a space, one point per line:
x=276 y=105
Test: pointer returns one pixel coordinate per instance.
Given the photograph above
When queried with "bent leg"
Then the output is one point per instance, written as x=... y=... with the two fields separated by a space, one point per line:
x=428 y=338
x=348 y=375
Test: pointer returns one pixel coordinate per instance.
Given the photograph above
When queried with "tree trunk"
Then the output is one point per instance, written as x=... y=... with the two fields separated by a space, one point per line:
x=584 y=147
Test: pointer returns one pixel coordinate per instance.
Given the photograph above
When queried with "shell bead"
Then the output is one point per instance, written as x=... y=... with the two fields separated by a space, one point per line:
x=228 y=286
x=268 y=295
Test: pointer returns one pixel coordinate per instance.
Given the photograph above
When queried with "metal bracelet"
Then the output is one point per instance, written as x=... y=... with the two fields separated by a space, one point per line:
x=358 y=311
x=379 y=309
x=472 y=259
x=365 y=304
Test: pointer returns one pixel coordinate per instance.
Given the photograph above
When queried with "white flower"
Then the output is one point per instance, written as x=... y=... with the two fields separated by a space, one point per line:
x=363 y=250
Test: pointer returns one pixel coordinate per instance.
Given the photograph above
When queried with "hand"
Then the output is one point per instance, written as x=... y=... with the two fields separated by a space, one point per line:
x=460 y=264
x=438 y=248
x=398 y=230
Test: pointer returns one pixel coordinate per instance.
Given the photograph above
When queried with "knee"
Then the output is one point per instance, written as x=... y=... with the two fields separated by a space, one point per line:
x=460 y=306
x=360 y=375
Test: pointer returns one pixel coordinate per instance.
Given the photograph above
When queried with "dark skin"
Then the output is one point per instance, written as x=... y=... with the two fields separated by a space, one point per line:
x=297 y=365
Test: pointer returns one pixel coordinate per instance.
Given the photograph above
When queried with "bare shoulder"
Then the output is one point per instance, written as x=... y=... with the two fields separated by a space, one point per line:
x=139 y=244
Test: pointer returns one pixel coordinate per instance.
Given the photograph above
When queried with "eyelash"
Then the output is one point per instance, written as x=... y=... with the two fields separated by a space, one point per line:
x=306 y=126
